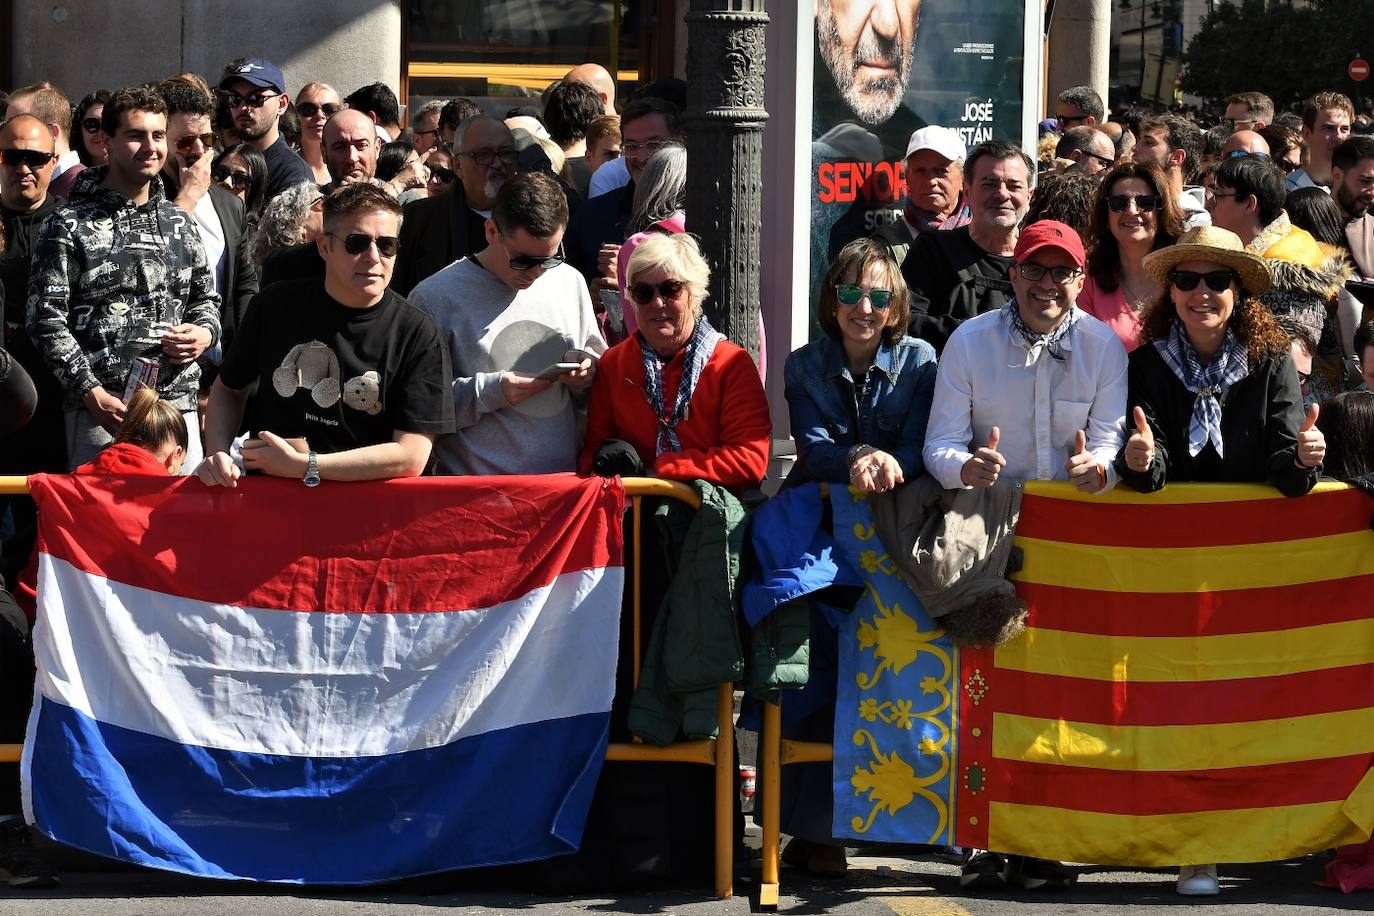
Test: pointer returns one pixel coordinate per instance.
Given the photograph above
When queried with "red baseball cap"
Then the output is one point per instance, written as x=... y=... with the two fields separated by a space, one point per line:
x=1048 y=233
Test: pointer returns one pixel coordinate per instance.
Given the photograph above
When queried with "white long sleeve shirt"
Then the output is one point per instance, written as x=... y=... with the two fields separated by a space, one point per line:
x=988 y=377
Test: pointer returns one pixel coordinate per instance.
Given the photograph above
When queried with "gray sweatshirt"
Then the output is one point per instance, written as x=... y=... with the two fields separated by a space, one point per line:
x=489 y=328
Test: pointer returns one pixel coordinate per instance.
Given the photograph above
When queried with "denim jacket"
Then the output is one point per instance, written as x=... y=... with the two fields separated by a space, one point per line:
x=827 y=420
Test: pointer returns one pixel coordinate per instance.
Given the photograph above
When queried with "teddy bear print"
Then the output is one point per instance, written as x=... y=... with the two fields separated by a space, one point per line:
x=364 y=393
x=312 y=366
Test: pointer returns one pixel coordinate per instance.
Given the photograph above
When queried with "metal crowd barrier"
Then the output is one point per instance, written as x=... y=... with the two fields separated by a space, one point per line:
x=719 y=753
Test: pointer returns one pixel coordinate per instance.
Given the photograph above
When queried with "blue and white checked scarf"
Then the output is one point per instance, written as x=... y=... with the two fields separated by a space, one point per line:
x=1208 y=383
x=699 y=350
x=1051 y=342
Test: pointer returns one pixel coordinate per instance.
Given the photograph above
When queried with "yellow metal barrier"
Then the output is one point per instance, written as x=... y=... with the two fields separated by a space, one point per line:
x=719 y=753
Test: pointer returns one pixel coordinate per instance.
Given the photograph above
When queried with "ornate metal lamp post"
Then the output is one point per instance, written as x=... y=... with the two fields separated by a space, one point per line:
x=725 y=118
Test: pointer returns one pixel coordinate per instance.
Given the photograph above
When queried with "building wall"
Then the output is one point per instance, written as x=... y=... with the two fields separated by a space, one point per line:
x=86 y=44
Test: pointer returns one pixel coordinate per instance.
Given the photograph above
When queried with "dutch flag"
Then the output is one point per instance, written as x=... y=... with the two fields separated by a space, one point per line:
x=342 y=685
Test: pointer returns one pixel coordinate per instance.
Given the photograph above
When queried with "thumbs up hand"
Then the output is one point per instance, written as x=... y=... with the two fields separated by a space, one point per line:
x=1140 y=448
x=982 y=469
x=1311 y=442
x=1082 y=467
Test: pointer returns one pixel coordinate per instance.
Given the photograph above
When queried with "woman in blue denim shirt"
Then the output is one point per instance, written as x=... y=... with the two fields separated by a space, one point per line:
x=860 y=396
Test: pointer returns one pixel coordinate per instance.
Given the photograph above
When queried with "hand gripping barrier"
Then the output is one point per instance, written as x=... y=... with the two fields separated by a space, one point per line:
x=718 y=753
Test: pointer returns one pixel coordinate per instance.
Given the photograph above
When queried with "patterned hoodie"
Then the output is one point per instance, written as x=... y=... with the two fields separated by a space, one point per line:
x=108 y=277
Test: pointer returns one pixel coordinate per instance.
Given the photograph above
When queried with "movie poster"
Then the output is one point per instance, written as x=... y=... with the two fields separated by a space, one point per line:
x=884 y=68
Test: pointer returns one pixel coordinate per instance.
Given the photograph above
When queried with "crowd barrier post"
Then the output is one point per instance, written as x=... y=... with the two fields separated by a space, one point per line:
x=719 y=753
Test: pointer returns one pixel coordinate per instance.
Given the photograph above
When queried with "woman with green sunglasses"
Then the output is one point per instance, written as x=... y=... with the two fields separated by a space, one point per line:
x=860 y=395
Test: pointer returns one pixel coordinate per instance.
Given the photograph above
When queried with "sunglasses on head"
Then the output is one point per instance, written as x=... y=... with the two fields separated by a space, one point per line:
x=310 y=109
x=35 y=159
x=643 y=293
x=531 y=261
x=1145 y=203
x=187 y=143
x=445 y=176
x=1218 y=281
x=239 y=181
x=359 y=242
x=91 y=125
x=252 y=100
x=853 y=294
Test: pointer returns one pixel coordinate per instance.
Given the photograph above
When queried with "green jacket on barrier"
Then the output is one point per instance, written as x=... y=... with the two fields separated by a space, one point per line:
x=694 y=645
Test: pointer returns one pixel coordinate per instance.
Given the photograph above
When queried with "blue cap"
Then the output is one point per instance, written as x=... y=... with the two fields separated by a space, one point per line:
x=257 y=71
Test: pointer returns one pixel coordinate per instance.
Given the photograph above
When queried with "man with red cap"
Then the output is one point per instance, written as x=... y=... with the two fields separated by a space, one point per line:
x=1035 y=390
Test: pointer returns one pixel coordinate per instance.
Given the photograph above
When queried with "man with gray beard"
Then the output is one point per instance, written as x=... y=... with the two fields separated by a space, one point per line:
x=867 y=47
x=436 y=231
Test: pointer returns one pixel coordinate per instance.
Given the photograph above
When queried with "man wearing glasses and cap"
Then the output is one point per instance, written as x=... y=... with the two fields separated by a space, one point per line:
x=934 y=185
x=519 y=326
x=338 y=377
x=256 y=94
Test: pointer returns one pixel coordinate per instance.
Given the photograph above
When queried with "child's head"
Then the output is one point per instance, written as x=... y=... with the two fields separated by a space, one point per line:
x=155 y=426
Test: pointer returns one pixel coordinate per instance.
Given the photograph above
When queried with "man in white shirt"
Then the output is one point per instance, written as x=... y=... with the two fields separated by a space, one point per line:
x=1036 y=389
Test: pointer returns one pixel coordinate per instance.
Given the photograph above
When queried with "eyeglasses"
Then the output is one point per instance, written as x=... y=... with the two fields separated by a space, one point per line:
x=1032 y=271
x=1211 y=194
x=253 y=100
x=485 y=157
x=1287 y=165
x=1069 y=119
x=1218 y=281
x=359 y=242
x=1246 y=154
x=853 y=294
x=531 y=261
x=239 y=181
x=91 y=125
x=310 y=109
x=648 y=146
x=35 y=159
x=1145 y=203
x=187 y=143
x=445 y=176
x=670 y=290
x=1237 y=122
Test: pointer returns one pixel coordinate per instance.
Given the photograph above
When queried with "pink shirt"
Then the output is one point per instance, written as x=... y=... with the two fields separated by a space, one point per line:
x=1113 y=310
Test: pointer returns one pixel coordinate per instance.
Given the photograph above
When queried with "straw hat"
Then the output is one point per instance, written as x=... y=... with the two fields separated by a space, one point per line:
x=1219 y=246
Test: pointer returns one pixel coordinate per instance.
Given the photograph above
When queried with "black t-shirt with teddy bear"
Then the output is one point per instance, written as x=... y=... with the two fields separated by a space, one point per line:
x=340 y=377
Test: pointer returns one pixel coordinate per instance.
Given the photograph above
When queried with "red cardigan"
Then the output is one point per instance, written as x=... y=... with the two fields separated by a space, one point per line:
x=725 y=434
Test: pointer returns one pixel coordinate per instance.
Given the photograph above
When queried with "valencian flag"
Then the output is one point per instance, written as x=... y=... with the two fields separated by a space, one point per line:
x=341 y=685
x=1196 y=685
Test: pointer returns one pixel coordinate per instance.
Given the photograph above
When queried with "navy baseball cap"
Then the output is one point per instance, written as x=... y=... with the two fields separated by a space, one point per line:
x=257 y=71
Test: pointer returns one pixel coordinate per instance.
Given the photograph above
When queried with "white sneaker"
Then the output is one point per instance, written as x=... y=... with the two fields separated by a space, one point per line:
x=1198 y=881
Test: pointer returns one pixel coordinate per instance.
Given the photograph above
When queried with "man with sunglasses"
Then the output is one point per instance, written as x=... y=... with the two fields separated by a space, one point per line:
x=439 y=230
x=1089 y=150
x=342 y=363
x=217 y=213
x=120 y=288
x=1033 y=391
x=255 y=91
x=49 y=104
x=1079 y=106
x=424 y=127
x=519 y=326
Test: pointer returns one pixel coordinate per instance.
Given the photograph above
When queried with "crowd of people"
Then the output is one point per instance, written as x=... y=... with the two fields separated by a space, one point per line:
x=312 y=291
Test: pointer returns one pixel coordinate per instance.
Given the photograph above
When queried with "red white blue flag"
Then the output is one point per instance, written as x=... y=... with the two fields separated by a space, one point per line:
x=342 y=685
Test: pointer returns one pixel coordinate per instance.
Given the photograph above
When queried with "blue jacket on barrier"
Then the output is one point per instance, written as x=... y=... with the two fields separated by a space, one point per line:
x=828 y=418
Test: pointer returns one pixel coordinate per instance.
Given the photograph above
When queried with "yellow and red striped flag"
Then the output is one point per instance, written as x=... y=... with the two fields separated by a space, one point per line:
x=1196 y=683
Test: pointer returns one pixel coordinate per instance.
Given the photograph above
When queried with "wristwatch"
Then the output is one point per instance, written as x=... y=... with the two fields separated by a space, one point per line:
x=312 y=471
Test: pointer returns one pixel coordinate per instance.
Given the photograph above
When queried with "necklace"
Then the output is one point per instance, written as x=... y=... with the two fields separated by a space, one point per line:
x=1139 y=302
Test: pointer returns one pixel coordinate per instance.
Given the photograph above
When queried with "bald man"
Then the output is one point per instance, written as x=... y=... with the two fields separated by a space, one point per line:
x=350 y=147
x=25 y=201
x=1245 y=141
x=599 y=78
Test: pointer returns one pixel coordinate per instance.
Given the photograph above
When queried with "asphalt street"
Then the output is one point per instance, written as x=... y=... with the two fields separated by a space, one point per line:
x=879 y=883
